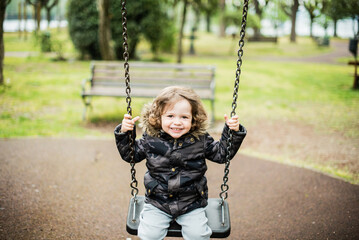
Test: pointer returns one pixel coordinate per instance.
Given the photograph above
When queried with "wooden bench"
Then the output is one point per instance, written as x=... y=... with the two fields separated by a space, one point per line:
x=147 y=80
x=263 y=39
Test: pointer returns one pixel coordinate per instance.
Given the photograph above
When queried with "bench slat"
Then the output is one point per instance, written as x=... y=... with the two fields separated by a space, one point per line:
x=147 y=65
x=146 y=85
x=137 y=92
x=169 y=81
x=143 y=72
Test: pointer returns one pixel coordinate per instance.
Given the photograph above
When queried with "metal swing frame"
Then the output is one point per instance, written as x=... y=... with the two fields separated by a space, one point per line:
x=217 y=210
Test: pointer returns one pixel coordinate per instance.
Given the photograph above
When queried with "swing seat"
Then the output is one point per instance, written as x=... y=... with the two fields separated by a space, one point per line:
x=217 y=214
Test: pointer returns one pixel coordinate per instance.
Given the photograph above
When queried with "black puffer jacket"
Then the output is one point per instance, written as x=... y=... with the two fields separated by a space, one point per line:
x=175 y=181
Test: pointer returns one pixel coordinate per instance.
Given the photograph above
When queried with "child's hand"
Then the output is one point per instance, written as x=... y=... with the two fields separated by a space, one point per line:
x=128 y=123
x=232 y=123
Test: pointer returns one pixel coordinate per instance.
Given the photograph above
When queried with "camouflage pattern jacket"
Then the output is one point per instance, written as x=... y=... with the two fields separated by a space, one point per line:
x=175 y=181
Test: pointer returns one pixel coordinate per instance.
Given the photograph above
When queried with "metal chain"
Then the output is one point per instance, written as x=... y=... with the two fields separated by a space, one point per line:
x=224 y=187
x=134 y=182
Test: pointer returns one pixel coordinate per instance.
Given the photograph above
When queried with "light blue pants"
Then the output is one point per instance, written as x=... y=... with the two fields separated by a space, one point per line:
x=155 y=222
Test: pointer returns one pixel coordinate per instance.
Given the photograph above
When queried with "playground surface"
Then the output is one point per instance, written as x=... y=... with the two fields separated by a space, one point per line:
x=56 y=188
x=79 y=189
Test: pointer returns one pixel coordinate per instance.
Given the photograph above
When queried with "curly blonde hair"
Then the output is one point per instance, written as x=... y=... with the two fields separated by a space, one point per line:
x=167 y=97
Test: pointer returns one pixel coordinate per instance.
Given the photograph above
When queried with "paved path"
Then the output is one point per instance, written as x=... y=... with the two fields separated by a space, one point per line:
x=340 y=50
x=78 y=189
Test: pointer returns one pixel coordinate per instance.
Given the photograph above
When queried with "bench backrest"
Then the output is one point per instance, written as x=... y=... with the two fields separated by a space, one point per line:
x=152 y=75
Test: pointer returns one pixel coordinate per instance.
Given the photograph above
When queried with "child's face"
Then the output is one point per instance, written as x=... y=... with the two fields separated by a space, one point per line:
x=176 y=119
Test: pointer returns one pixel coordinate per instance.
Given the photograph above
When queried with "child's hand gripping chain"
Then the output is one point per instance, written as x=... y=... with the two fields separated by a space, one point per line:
x=233 y=122
x=128 y=123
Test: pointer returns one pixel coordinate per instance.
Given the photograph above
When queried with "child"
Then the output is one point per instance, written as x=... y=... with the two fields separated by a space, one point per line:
x=175 y=144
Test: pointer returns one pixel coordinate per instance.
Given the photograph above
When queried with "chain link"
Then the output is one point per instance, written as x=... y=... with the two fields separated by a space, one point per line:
x=224 y=187
x=134 y=182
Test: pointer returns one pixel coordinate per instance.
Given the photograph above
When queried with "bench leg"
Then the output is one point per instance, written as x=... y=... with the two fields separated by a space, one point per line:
x=87 y=102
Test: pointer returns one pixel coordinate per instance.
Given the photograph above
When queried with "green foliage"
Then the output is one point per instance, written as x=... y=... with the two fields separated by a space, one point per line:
x=275 y=13
x=233 y=18
x=58 y=47
x=336 y=10
x=82 y=18
x=12 y=9
x=164 y=38
x=352 y=7
x=145 y=18
x=44 y=38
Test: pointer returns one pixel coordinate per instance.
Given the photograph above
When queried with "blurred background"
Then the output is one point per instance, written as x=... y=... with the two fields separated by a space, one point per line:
x=297 y=95
x=61 y=176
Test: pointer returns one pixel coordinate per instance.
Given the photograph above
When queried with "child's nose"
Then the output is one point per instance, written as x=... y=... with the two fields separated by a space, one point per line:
x=177 y=121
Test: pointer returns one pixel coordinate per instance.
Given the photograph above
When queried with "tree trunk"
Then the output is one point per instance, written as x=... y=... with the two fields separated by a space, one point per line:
x=222 y=27
x=257 y=30
x=105 y=38
x=48 y=7
x=38 y=15
x=335 y=27
x=208 y=22
x=311 y=27
x=25 y=20
x=295 y=7
x=48 y=16
x=19 y=16
x=2 y=17
x=197 y=18
x=180 y=37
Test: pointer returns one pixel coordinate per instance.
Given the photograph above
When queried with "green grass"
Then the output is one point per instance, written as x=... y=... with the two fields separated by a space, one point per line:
x=41 y=90
x=14 y=43
x=42 y=96
x=318 y=95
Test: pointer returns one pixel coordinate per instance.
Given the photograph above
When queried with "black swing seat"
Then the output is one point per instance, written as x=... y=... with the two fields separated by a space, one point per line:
x=217 y=214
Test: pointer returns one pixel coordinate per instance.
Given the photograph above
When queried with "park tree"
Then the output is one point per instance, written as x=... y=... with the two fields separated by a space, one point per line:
x=290 y=7
x=3 y=4
x=352 y=7
x=105 y=36
x=195 y=4
x=222 y=24
x=275 y=14
x=313 y=9
x=209 y=8
x=180 y=35
x=233 y=16
x=38 y=5
x=49 y=5
x=82 y=18
x=336 y=10
x=145 y=18
x=259 y=7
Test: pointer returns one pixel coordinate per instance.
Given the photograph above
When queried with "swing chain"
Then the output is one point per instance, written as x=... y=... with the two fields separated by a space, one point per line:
x=134 y=182
x=224 y=187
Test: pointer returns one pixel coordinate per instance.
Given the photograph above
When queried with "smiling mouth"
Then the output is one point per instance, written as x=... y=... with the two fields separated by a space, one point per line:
x=176 y=129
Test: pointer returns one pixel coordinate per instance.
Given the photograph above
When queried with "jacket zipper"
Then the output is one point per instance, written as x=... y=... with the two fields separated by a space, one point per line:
x=175 y=143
